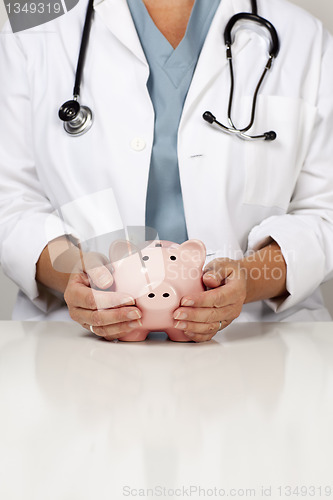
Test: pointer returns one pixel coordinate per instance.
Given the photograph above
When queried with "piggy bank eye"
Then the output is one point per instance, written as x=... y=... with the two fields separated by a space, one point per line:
x=151 y=295
x=173 y=257
x=145 y=257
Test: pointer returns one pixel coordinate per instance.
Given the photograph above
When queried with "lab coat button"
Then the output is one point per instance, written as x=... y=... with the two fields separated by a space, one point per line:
x=138 y=144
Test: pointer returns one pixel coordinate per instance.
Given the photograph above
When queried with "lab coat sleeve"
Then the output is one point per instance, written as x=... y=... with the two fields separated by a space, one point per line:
x=305 y=233
x=24 y=208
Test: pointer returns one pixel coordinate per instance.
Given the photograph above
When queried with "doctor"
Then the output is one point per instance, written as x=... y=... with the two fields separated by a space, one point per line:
x=264 y=209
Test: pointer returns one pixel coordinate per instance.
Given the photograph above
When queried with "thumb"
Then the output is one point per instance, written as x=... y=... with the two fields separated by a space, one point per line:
x=212 y=279
x=98 y=270
x=101 y=277
x=216 y=273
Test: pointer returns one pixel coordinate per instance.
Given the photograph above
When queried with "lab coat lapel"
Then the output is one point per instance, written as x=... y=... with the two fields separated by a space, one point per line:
x=117 y=17
x=211 y=64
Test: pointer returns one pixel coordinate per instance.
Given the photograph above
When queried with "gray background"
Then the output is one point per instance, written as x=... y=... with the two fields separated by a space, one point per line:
x=320 y=8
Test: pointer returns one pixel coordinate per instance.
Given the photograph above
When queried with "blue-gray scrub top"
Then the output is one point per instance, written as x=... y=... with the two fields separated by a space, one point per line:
x=171 y=72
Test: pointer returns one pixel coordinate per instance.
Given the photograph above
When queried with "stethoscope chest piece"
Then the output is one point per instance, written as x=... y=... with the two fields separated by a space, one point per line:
x=77 y=119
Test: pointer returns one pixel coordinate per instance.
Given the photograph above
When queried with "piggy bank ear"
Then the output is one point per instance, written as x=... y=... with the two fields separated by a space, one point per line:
x=193 y=252
x=120 y=249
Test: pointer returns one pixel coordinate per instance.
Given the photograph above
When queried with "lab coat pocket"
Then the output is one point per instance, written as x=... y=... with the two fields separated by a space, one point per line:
x=272 y=167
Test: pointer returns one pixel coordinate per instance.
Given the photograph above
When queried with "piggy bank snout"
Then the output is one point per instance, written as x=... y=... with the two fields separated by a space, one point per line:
x=163 y=297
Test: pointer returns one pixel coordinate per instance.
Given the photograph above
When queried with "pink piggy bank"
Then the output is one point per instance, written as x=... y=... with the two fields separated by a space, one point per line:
x=157 y=277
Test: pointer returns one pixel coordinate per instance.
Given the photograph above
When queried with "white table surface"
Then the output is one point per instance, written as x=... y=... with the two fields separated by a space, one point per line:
x=247 y=415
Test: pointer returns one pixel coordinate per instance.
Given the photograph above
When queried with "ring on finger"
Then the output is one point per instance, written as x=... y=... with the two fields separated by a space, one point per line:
x=92 y=330
x=220 y=326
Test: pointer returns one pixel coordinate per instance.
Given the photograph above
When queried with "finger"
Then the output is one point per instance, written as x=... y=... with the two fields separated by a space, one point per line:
x=222 y=271
x=209 y=298
x=212 y=281
x=224 y=295
x=198 y=328
x=198 y=314
x=105 y=317
x=198 y=337
x=206 y=314
x=112 y=332
x=218 y=270
x=98 y=269
x=100 y=277
x=109 y=300
x=195 y=337
x=80 y=295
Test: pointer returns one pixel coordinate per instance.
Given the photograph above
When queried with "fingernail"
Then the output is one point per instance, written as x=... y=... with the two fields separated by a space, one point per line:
x=180 y=315
x=187 y=302
x=127 y=300
x=181 y=325
x=105 y=280
x=135 y=324
x=134 y=314
x=212 y=276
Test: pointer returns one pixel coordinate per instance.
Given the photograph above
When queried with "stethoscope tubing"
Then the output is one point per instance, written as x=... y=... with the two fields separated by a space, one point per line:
x=78 y=119
x=247 y=16
x=83 y=49
x=273 y=53
x=254 y=100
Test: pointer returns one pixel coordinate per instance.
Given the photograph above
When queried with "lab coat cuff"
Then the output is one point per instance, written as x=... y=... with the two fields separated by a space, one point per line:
x=22 y=249
x=302 y=252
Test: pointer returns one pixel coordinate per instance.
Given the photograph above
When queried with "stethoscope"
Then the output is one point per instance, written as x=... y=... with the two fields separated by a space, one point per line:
x=78 y=119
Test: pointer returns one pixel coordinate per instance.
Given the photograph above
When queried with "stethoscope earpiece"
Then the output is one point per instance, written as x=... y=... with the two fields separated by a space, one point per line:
x=267 y=136
x=270 y=136
x=209 y=117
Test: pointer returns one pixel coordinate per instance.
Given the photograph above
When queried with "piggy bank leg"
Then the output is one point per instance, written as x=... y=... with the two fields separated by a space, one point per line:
x=177 y=335
x=137 y=335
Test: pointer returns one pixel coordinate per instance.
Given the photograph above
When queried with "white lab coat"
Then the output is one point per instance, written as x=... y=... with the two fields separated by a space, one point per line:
x=236 y=194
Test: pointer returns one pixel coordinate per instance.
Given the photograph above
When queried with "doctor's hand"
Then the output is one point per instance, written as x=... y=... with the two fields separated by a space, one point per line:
x=259 y=276
x=85 y=280
x=91 y=303
x=202 y=315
